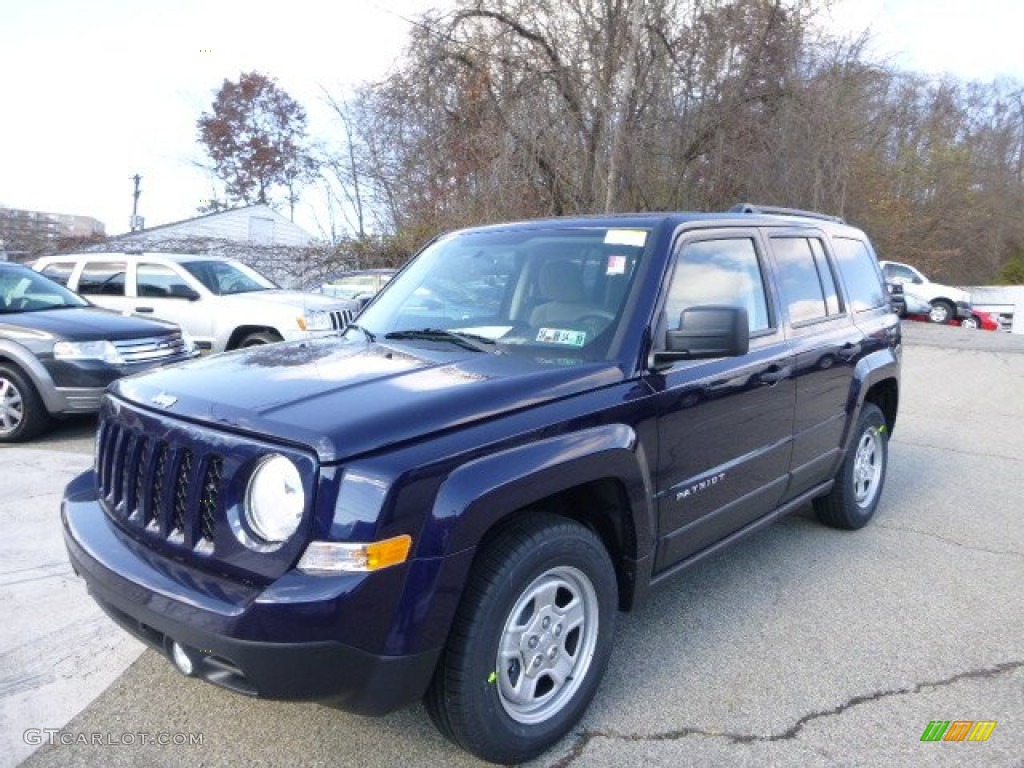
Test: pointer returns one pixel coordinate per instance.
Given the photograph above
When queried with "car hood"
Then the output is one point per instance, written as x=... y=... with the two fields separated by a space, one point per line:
x=84 y=324
x=344 y=398
x=291 y=299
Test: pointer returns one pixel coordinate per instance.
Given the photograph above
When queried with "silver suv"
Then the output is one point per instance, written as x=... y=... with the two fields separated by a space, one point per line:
x=221 y=303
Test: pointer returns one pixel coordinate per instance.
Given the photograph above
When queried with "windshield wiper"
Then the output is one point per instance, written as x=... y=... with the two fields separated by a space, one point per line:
x=370 y=337
x=464 y=340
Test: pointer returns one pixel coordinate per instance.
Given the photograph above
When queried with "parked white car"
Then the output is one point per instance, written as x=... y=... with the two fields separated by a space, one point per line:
x=946 y=302
x=222 y=304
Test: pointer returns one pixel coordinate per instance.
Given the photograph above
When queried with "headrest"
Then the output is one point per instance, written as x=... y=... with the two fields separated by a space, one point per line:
x=562 y=281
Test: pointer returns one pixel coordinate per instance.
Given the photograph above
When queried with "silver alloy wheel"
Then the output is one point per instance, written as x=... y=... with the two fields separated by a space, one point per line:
x=867 y=467
x=12 y=408
x=546 y=647
x=939 y=313
x=970 y=322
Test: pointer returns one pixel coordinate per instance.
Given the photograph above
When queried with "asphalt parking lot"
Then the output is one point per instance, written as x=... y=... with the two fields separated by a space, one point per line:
x=801 y=646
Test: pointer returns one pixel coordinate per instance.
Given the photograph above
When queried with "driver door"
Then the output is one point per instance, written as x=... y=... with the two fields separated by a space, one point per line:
x=162 y=292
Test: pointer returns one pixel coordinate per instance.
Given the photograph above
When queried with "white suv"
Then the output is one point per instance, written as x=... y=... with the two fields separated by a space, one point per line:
x=947 y=303
x=221 y=303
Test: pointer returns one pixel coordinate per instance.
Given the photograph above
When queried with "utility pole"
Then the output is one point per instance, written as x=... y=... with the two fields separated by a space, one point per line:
x=136 y=221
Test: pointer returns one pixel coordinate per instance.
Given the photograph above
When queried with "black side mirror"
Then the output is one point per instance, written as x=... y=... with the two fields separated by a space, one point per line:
x=707 y=332
x=184 y=292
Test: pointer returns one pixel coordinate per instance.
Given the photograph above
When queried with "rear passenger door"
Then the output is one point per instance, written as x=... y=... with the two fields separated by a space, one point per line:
x=826 y=344
x=103 y=282
x=724 y=425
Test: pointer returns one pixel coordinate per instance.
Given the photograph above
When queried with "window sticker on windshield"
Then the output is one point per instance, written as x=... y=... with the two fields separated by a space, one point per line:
x=616 y=265
x=558 y=336
x=634 y=237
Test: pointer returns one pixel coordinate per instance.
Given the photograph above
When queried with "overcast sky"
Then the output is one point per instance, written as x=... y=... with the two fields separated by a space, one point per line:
x=95 y=92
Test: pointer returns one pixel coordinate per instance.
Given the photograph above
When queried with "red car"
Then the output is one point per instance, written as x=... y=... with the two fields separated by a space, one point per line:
x=985 y=321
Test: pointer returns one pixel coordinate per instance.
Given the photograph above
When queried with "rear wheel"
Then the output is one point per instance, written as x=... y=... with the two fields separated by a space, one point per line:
x=942 y=311
x=530 y=640
x=22 y=413
x=858 y=484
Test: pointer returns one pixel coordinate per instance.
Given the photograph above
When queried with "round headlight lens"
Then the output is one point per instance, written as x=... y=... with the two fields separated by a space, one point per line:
x=274 y=500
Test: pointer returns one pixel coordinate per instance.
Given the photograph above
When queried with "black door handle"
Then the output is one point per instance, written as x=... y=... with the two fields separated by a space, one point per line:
x=148 y=310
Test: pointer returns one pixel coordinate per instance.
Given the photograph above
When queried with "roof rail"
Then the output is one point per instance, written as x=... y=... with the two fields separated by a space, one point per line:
x=775 y=210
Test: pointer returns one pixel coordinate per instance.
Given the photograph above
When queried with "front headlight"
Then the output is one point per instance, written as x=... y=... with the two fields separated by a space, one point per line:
x=87 y=350
x=274 y=500
x=315 y=320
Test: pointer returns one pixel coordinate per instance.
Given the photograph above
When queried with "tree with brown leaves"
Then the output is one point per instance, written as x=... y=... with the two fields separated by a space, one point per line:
x=255 y=134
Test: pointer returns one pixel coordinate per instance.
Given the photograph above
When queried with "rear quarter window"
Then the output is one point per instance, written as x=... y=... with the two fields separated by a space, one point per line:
x=860 y=274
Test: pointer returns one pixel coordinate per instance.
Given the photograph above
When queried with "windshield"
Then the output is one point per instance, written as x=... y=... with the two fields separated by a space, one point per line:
x=553 y=293
x=24 y=290
x=226 y=277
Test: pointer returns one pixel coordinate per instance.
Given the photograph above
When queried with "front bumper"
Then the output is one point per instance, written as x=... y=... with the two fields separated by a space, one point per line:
x=269 y=641
x=77 y=386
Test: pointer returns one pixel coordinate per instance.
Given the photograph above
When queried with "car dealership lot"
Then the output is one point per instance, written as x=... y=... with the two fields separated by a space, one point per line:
x=800 y=646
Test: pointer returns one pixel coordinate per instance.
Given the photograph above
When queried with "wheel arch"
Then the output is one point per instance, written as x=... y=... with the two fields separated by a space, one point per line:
x=242 y=331
x=33 y=370
x=876 y=380
x=886 y=395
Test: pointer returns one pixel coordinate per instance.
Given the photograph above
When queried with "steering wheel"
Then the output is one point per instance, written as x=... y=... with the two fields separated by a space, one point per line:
x=594 y=322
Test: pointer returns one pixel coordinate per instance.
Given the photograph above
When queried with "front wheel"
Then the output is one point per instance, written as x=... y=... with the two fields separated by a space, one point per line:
x=530 y=640
x=970 y=322
x=22 y=413
x=942 y=311
x=858 y=485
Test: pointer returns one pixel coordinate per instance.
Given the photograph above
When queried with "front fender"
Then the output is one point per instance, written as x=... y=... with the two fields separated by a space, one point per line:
x=481 y=492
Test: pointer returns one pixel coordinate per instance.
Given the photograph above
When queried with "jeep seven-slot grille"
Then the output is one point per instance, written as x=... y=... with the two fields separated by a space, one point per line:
x=341 y=318
x=159 y=487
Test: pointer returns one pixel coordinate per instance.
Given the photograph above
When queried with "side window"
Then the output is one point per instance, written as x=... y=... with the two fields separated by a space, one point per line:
x=60 y=271
x=102 y=278
x=158 y=281
x=859 y=269
x=833 y=303
x=724 y=271
x=808 y=285
x=899 y=272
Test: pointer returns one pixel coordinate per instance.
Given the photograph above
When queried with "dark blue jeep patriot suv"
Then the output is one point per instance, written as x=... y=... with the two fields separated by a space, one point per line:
x=526 y=430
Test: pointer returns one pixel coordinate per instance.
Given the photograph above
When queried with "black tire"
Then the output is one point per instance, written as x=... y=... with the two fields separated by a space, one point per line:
x=22 y=413
x=537 y=575
x=854 y=498
x=259 y=338
x=942 y=312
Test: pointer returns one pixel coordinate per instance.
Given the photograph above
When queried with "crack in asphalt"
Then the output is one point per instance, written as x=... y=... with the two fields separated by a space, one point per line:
x=954 y=542
x=585 y=737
